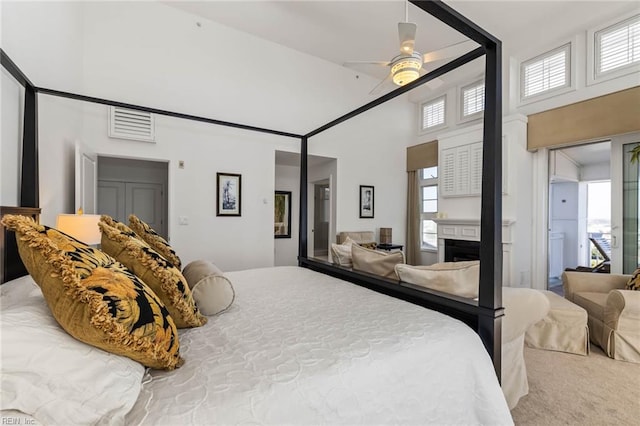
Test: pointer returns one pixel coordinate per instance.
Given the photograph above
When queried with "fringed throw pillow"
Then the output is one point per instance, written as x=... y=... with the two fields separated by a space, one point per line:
x=634 y=281
x=96 y=299
x=164 y=279
x=156 y=242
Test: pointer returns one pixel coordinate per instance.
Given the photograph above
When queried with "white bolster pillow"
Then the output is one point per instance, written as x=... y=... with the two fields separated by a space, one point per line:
x=212 y=291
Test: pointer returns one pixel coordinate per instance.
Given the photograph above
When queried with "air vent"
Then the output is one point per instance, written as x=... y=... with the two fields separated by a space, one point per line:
x=131 y=124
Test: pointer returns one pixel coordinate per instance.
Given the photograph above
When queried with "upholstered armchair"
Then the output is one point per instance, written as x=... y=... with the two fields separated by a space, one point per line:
x=614 y=313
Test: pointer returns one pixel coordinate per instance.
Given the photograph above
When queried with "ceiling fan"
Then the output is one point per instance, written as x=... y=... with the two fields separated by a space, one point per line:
x=407 y=66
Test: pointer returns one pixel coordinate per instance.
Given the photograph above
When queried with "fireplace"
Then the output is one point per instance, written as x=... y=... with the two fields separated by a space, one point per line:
x=461 y=250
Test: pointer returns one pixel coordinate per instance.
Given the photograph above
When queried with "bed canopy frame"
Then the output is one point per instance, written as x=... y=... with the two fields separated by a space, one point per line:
x=483 y=315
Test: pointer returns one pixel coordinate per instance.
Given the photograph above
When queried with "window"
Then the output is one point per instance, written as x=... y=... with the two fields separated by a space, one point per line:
x=472 y=99
x=429 y=207
x=548 y=72
x=433 y=113
x=617 y=46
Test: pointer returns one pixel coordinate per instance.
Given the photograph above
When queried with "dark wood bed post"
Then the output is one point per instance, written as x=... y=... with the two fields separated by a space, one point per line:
x=490 y=291
x=29 y=185
x=303 y=225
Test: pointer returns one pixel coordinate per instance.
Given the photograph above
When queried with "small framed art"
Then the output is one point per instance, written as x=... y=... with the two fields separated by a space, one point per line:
x=282 y=215
x=366 y=201
x=229 y=194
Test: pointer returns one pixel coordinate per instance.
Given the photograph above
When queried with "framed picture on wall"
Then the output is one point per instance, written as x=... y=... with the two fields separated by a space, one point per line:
x=366 y=202
x=229 y=194
x=282 y=214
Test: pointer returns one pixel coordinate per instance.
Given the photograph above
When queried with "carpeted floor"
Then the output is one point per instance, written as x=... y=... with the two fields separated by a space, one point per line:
x=566 y=389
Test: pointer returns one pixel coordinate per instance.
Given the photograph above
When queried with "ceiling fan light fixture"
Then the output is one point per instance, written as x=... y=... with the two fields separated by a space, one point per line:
x=407 y=46
x=406 y=69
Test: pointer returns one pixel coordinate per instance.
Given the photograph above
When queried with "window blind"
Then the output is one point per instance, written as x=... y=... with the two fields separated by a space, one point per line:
x=546 y=72
x=618 y=46
x=433 y=113
x=473 y=99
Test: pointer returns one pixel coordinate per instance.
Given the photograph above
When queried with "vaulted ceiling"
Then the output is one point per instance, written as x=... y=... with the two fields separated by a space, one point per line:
x=342 y=31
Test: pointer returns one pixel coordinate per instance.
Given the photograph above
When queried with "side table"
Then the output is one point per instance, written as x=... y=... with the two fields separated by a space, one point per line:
x=389 y=247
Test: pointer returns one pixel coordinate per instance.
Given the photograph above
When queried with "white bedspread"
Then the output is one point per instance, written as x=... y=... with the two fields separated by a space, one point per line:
x=299 y=347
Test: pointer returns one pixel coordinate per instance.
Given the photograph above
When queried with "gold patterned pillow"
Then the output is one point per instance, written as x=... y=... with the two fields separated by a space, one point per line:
x=634 y=281
x=156 y=242
x=163 y=278
x=371 y=246
x=95 y=298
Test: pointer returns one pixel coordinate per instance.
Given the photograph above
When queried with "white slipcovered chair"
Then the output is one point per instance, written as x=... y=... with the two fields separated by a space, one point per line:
x=523 y=307
x=614 y=311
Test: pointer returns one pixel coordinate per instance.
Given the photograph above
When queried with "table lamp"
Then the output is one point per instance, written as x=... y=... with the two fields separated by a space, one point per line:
x=385 y=235
x=82 y=227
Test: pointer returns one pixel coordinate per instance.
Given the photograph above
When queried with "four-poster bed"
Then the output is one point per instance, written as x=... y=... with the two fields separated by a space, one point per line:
x=484 y=315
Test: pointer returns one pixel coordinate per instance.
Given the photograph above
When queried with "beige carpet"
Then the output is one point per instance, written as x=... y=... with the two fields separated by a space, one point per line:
x=566 y=389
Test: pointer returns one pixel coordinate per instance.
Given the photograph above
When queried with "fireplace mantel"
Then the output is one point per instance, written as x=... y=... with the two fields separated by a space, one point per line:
x=469 y=230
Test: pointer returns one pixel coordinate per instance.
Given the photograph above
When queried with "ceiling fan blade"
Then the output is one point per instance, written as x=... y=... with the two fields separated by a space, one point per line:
x=379 y=63
x=407 y=34
x=452 y=51
x=380 y=86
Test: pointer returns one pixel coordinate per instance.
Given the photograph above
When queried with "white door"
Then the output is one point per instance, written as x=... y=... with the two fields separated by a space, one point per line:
x=111 y=199
x=86 y=179
x=145 y=201
x=619 y=163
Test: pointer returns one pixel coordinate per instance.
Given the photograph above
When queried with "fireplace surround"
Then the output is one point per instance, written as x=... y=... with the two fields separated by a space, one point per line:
x=463 y=237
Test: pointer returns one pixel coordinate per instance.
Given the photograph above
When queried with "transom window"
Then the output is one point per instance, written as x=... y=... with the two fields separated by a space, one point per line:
x=429 y=207
x=472 y=99
x=433 y=113
x=546 y=73
x=618 y=46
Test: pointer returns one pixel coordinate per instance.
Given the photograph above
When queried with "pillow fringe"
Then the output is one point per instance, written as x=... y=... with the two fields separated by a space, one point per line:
x=100 y=319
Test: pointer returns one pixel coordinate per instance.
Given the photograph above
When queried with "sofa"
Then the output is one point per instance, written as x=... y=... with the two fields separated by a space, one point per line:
x=360 y=237
x=613 y=312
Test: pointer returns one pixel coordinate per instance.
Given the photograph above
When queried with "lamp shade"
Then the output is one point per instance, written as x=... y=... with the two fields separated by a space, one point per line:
x=385 y=235
x=82 y=227
x=405 y=69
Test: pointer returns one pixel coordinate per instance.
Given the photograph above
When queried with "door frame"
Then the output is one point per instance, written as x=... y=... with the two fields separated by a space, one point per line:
x=541 y=206
x=167 y=189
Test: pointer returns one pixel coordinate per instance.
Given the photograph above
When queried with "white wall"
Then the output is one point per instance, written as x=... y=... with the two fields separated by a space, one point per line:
x=60 y=125
x=230 y=242
x=11 y=114
x=45 y=40
x=153 y=54
x=564 y=218
x=371 y=150
x=600 y=171
x=516 y=202
x=286 y=249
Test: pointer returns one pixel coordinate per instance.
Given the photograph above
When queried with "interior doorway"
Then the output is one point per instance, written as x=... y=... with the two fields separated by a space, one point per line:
x=127 y=186
x=321 y=218
x=579 y=232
